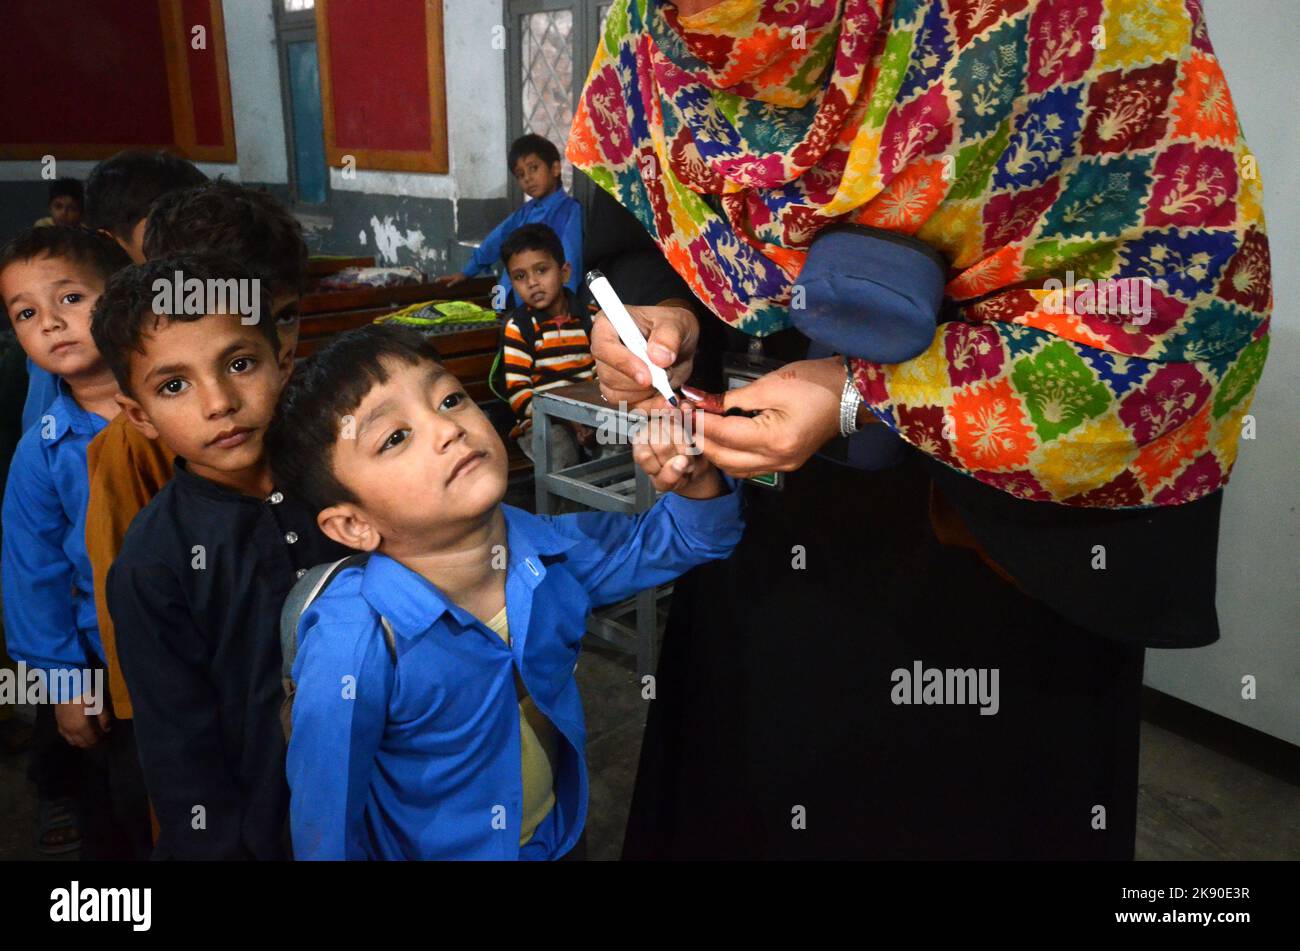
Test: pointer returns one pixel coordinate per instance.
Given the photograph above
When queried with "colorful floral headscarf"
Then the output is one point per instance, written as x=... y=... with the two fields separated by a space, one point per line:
x=1036 y=143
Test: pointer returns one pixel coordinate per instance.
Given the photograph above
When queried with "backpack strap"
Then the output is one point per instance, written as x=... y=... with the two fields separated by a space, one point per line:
x=305 y=591
x=389 y=638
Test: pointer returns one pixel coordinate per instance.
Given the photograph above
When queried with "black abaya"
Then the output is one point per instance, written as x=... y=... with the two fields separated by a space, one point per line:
x=775 y=691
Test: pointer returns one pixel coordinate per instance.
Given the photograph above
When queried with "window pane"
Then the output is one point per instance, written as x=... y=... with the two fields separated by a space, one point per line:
x=294 y=6
x=547 y=93
x=308 y=125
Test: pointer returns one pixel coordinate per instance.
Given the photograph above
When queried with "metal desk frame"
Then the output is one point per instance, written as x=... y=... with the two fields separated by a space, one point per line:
x=609 y=484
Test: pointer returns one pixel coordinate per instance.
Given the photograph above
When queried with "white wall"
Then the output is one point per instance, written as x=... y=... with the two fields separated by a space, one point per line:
x=1259 y=553
x=255 y=92
x=476 y=118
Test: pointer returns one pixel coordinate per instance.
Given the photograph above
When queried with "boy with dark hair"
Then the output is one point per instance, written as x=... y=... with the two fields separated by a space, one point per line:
x=121 y=189
x=535 y=163
x=246 y=225
x=459 y=734
x=196 y=591
x=127 y=469
x=66 y=202
x=546 y=341
x=50 y=278
x=118 y=194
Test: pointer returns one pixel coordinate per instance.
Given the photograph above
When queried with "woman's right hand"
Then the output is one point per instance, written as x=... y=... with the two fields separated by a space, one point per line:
x=672 y=333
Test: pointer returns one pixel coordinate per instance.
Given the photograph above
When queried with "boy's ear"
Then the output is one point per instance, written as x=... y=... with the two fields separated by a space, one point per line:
x=557 y=169
x=133 y=244
x=565 y=272
x=284 y=361
x=136 y=416
x=347 y=525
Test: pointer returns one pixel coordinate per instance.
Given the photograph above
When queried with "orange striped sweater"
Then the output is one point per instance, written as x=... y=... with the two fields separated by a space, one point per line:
x=559 y=354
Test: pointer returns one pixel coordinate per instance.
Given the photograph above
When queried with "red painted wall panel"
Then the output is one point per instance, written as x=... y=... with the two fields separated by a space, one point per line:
x=380 y=81
x=84 y=71
x=203 y=74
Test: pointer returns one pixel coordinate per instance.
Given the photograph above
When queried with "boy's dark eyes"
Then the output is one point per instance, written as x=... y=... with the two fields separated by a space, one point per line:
x=398 y=437
x=242 y=364
x=172 y=387
x=25 y=313
x=72 y=298
x=452 y=400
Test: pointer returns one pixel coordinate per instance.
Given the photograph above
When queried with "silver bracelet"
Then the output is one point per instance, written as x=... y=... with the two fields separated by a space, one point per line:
x=850 y=403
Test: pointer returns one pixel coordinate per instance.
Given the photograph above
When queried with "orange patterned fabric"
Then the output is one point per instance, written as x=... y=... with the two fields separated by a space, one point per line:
x=1078 y=162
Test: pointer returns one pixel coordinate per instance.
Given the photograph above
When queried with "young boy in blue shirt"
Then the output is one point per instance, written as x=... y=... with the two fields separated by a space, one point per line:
x=535 y=163
x=50 y=279
x=465 y=739
x=118 y=195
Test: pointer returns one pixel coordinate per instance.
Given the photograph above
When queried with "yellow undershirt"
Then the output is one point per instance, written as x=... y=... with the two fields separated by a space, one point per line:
x=538 y=748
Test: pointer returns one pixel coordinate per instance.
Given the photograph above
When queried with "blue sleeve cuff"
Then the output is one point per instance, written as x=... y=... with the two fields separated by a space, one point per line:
x=64 y=684
x=715 y=525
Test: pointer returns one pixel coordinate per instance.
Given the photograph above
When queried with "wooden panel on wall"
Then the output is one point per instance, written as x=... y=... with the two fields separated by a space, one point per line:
x=82 y=79
x=383 y=84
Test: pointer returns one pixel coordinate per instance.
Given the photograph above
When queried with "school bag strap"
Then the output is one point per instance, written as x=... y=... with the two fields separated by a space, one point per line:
x=304 y=591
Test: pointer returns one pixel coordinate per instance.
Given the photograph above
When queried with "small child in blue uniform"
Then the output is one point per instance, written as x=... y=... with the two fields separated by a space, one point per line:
x=465 y=738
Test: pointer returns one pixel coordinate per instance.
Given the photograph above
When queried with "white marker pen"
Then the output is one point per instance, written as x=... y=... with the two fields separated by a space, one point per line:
x=628 y=331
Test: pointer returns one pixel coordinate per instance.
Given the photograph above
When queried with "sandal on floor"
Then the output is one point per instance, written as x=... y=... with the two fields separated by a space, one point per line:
x=60 y=828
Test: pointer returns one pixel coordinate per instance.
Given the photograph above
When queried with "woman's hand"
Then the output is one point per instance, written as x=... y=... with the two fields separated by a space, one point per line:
x=672 y=334
x=800 y=406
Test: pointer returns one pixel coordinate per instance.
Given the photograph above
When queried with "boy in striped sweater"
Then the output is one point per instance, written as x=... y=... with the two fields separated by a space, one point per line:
x=547 y=339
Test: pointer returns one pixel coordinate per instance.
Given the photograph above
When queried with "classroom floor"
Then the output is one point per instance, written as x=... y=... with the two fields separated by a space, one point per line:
x=1193 y=802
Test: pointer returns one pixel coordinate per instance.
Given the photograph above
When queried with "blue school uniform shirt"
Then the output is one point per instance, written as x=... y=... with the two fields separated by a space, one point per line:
x=41 y=391
x=420 y=758
x=49 y=604
x=557 y=210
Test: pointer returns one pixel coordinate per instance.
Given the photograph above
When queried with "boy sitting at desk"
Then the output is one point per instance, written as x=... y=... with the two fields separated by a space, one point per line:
x=546 y=341
x=436 y=712
x=535 y=163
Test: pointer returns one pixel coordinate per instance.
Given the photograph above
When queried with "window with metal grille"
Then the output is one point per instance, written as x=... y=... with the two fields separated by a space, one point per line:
x=552 y=44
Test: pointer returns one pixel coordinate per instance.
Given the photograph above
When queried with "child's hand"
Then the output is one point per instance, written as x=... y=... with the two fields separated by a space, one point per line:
x=78 y=725
x=663 y=449
x=450 y=280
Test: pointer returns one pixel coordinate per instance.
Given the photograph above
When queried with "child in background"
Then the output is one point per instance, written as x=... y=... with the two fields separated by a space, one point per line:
x=196 y=591
x=464 y=738
x=50 y=278
x=127 y=468
x=121 y=190
x=535 y=163
x=65 y=204
x=546 y=340
x=118 y=195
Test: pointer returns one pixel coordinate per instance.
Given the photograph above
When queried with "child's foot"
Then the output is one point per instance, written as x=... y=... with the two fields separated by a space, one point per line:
x=60 y=829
